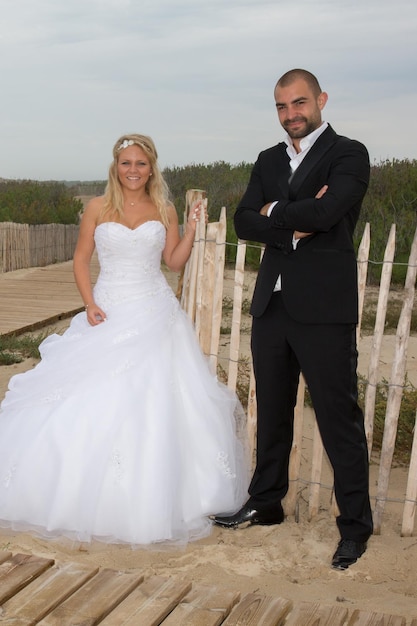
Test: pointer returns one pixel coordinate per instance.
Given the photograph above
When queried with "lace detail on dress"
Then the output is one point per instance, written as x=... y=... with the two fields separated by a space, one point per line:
x=130 y=263
x=127 y=334
x=116 y=460
x=223 y=462
x=55 y=396
x=8 y=477
x=124 y=367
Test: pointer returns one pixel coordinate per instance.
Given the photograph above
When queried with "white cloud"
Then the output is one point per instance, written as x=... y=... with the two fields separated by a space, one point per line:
x=197 y=75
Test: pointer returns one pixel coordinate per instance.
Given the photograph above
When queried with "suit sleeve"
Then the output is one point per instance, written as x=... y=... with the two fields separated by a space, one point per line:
x=251 y=225
x=347 y=179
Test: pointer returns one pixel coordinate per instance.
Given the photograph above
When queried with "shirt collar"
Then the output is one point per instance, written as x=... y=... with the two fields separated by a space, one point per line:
x=306 y=142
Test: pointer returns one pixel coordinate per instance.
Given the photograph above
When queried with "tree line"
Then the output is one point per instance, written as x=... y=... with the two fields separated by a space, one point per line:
x=391 y=198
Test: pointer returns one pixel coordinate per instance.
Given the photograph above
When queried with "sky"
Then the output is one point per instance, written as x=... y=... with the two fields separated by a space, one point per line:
x=197 y=76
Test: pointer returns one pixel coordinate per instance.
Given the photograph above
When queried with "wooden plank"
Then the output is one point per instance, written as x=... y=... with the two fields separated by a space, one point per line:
x=252 y=409
x=45 y=593
x=395 y=390
x=217 y=295
x=149 y=603
x=363 y=618
x=203 y=606
x=4 y=555
x=409 y=511
x=362 y=262
x=37 y=296
x=206 y=307
x=18 y=571
x=251 y=419
x=189 y=294
x=296 y=450
x=259 y=610
x=95 y=600
x=316 y=467
x=200 y=244
x=236 y=315
x=374 y=357
x=314 y=614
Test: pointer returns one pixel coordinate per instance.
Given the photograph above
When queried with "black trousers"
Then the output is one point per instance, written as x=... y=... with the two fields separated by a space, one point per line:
x=327 y=356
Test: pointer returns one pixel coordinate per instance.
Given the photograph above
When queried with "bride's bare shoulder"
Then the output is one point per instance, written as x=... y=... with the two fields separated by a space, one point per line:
x=94 y=208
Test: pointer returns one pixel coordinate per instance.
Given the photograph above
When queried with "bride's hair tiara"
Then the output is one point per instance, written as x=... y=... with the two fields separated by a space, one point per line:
x=125 y=144
x=130 y=142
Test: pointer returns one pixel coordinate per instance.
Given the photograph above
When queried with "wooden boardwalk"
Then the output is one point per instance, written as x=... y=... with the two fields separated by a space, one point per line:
x=37 y=296
x=33 y=297
x=36 y=590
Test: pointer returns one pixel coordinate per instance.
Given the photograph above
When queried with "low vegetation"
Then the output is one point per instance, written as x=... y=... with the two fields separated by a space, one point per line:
x=15 y=349
x=32 y=202
x=406 y=420
x=391 y=198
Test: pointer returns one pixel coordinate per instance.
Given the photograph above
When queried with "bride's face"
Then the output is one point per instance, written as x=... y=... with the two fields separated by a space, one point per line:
x=133 y=168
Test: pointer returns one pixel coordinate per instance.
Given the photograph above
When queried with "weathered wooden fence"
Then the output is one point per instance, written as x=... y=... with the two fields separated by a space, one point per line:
x=200 y=290
x=201 y=296
x=23 y=245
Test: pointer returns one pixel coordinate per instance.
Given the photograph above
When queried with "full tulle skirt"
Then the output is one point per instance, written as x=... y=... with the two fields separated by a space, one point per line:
x=121 y=433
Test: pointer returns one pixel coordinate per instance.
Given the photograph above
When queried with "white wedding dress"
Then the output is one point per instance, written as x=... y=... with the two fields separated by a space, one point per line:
x=121 y=433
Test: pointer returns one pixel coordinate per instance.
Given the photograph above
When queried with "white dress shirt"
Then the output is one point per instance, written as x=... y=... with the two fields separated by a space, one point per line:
x=295 y=160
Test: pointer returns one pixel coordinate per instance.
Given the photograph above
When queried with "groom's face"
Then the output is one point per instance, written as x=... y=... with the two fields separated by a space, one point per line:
x=299 y=109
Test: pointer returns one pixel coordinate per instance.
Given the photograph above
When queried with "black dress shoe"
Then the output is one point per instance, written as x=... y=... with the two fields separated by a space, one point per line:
x=249 y=515
x=348 y=552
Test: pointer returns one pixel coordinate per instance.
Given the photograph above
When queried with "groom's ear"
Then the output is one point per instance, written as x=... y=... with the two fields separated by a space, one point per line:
x=322 y=99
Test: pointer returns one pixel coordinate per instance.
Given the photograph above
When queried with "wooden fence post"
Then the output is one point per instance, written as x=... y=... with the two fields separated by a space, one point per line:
x=189 y=278
x=362 y=261
x=316 y=468
x=375 y=352
x=219 y=261
x=199 y=245
x=236 y=315
x=410 y=505
x=206 y=302
x=296 y=447
x=252 y=415
x=14 y=246
x=395 y=388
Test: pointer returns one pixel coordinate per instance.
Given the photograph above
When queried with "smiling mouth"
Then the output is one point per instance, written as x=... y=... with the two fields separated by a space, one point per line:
x=294 y=122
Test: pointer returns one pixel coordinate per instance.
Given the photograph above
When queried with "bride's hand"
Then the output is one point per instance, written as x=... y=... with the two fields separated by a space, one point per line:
x=95 y=315
x=194 y=215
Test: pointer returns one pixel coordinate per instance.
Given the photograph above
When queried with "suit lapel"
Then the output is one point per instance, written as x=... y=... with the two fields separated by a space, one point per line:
x=283 y=169
x=313 y=156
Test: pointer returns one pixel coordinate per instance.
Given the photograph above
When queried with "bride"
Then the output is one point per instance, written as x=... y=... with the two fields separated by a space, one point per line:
x=121 y=433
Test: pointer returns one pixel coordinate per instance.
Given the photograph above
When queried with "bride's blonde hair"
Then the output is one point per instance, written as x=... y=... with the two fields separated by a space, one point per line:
x=156 y=186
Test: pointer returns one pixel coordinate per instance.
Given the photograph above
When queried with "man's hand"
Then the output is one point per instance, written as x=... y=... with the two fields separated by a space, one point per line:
x=322 y=191
x=300 y=235
x=265 y=209
x=297 y=233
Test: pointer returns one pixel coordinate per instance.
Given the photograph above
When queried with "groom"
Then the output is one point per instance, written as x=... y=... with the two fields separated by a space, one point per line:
x=303 y=201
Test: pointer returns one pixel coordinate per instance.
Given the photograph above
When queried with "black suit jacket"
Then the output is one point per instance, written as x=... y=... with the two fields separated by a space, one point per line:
x=319 y=278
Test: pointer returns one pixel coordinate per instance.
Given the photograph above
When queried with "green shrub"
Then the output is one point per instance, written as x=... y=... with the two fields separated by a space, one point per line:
x=391 y=198
x=32 y=202
x=13 y=349
x=406 y=419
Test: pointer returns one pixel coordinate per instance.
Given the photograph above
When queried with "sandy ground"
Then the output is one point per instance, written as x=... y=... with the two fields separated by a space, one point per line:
x=290 y=560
